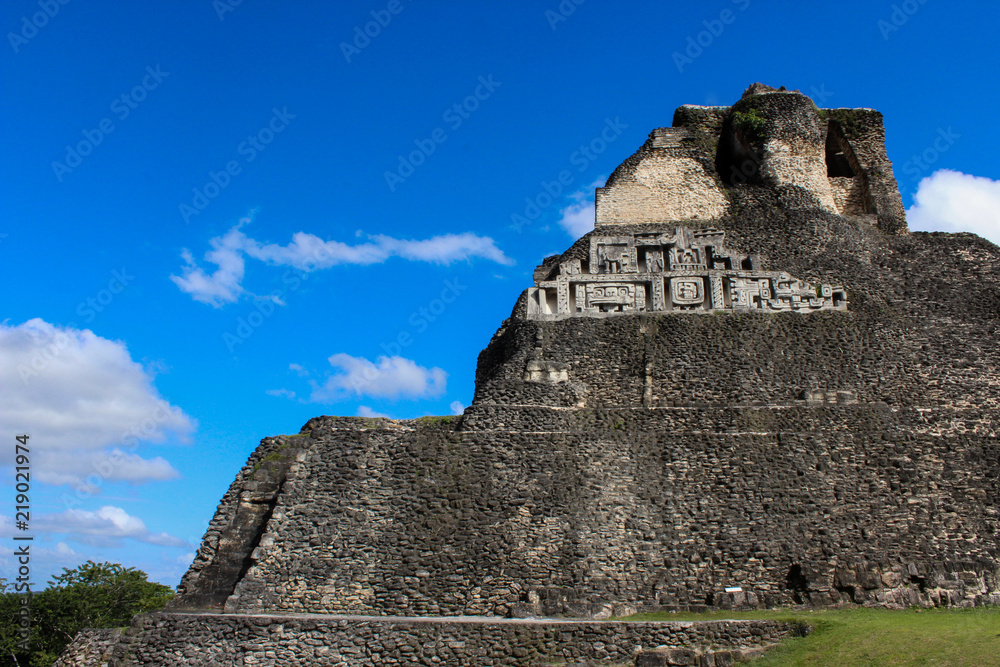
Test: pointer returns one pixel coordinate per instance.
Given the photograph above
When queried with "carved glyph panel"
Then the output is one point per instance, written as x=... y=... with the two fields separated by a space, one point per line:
x=689 y=270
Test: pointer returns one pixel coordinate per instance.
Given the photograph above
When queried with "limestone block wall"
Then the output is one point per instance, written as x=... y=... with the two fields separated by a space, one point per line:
x=922 y=328
x=865 y=131
x=231 y=641
x=90 y=648
x=848 y=194
x=664 y=181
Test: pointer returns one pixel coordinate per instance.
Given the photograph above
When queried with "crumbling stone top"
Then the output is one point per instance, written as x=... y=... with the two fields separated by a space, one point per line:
x=825 y=160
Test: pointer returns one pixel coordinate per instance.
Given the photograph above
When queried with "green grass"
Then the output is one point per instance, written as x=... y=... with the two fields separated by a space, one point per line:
x=857 y=636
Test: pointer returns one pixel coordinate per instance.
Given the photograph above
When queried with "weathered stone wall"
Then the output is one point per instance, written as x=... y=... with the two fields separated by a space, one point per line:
x=864 y=131
x=90 y=648
x=773 y=139
x=848 y=195
x=791 y=144
x=923 y=329
x=634 y=507
x=664 y=181
x=223 y=641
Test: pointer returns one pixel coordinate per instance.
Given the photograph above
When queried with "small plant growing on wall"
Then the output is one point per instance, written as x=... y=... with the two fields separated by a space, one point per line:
x=751 y=125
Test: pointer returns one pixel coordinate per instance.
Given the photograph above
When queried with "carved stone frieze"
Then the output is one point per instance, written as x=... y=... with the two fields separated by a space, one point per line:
x=689 y=270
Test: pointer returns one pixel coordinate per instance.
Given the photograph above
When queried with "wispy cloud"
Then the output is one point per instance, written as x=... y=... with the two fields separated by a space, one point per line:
x=950 y=201
x=287 y=393
x=307 y=253
x=87 y=401
x=365 y=411
x=457 y=408
x=578 y=217
x=106 y=527
x=390 y=377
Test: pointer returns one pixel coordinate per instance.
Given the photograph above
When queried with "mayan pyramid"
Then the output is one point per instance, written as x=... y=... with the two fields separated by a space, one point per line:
x=750 y=385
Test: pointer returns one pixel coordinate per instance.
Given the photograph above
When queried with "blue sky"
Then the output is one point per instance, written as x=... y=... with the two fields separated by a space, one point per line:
x=220 y=219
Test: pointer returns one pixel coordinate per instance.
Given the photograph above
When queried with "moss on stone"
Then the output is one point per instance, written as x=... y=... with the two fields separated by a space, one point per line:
x=276 y=455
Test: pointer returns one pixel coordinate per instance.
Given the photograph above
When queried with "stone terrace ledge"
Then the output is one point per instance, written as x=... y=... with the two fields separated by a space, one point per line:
x=194 y=638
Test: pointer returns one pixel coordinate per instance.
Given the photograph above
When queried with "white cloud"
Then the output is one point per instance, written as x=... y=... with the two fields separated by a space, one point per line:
x=457 y=408
x=308 y=252
x=365 y=411
x=281 y=392
x=85 y=403
x=950 y=201
x=391 y=377
x=42 y=558
x=578 y=218
x=299 y=369
x=106 y=527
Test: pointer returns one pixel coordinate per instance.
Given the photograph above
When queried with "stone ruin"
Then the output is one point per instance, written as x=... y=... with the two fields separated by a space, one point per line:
x=750 y=386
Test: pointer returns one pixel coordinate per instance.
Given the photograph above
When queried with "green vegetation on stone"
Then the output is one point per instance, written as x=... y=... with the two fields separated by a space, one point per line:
x=750 y=124
x=276 y=455
x=436 y=421
x=856 y=636
x=848 y=119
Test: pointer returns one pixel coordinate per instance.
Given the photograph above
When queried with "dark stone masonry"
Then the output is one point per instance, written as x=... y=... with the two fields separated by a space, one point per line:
x=211 y=640
x=750 y=376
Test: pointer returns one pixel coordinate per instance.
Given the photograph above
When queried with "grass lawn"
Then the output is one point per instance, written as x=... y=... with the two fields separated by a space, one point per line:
x=858 y=636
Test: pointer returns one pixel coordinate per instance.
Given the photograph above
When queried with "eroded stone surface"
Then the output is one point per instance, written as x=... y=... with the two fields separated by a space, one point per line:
x=215 y=640
x=830 y=160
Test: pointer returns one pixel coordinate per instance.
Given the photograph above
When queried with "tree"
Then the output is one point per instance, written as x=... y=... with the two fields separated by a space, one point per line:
x=92 y=595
